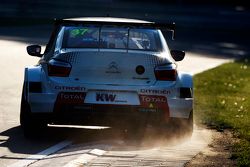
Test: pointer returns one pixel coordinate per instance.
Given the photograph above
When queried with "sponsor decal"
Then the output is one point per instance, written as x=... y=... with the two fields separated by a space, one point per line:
x=71 y=97
x=153 y=91
x=152 y=99
x=140 y=78
x=108 y=97
x=113 y=68
x=70 y=88
x=153 y=103
x=105 y=97
x=147 y=110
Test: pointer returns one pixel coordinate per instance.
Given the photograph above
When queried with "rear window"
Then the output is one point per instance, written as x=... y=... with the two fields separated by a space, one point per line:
x=142 y=39
x=111 y=38
x=81 y=37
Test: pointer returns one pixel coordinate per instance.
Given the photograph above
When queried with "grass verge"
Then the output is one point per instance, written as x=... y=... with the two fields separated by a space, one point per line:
x=222 y=101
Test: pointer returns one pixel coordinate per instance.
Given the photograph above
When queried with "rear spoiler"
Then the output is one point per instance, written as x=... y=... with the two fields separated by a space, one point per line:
x=161 y=26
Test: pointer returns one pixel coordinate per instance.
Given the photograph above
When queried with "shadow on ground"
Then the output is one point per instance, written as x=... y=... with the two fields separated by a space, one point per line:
x=14 y=140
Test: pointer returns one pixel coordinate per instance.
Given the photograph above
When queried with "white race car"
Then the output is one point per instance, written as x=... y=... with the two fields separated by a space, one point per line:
x=106 y=72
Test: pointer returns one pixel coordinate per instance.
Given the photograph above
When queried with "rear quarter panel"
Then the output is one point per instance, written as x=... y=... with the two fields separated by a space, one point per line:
x=185 y=80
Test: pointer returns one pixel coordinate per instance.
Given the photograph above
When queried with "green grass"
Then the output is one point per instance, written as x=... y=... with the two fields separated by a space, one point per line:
x=222 y=101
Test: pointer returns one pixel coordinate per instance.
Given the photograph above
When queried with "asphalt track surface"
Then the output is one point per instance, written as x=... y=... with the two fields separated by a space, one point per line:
x=94 y=147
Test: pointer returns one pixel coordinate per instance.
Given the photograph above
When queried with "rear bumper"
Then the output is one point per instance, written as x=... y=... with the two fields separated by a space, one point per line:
x=106 y=115
x=45 y=106
x=180 y=107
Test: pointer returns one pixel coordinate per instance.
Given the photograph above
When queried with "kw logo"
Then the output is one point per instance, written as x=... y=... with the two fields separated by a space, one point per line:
x=105 y=97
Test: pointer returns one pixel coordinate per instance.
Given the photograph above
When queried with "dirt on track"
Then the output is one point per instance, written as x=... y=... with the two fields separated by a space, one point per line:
x=217 y=154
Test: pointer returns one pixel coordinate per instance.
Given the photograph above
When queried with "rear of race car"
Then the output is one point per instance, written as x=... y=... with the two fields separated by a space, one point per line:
x=109 y=91
x=125 y=79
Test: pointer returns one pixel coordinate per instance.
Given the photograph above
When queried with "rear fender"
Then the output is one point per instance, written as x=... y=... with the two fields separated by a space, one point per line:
x=185 y=80
x=31 y=74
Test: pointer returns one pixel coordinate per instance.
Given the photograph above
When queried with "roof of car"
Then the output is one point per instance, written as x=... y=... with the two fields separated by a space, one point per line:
x=107 y=19
x=117 y=22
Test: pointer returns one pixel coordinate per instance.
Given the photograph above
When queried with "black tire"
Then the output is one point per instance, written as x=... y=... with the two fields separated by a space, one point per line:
x=32 y=128
x=191 y=123
x=178 y=128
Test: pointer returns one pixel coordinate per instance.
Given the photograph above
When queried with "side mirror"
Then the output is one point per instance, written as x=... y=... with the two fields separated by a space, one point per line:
x=177 y=55
x=34 y=50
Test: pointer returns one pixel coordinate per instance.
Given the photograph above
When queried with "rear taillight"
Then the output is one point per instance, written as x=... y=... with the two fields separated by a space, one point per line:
x=165 y=73
x=58 y=68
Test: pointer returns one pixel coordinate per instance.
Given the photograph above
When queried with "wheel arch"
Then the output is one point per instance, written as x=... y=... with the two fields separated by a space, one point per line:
x=31 y=75
x=185 y=80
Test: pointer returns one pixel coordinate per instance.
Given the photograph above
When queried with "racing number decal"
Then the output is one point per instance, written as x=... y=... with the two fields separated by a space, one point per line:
x=76 y=32
x=105 y=97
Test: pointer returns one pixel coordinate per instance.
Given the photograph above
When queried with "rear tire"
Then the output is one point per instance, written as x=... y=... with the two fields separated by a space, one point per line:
x=32 y=128
x=179 y=128
x=191 y=123
x=185 y=126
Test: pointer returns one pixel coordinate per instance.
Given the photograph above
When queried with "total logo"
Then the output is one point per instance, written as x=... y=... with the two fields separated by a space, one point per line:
x=72 y=96
x=149 y=99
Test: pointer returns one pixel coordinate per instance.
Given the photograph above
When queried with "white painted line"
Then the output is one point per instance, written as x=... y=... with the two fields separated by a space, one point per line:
x=86 y=158
x=33 y=158
x=1 y=142
x=79 y=126
x=97 y=152
x=80 y=161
